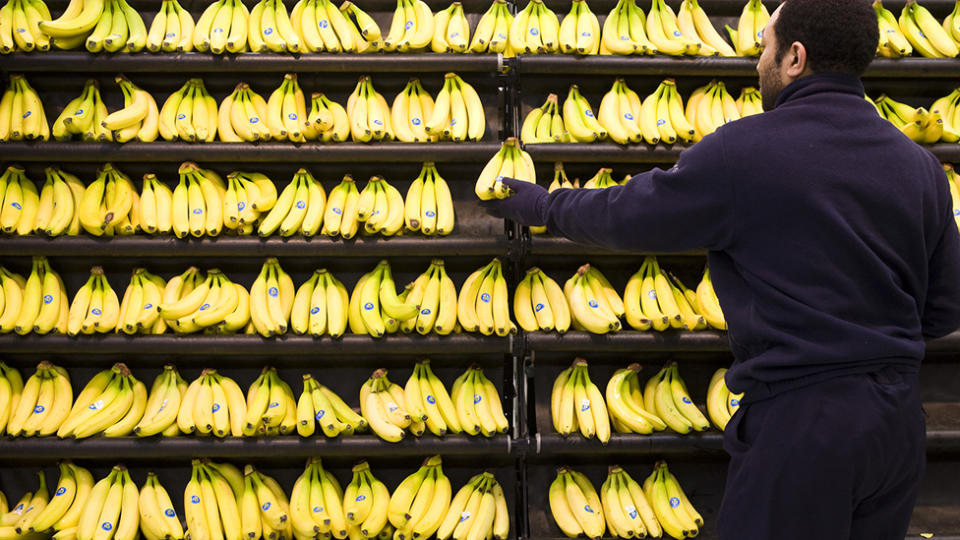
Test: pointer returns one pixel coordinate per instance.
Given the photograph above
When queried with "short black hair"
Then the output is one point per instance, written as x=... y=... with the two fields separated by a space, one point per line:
x=839 y=35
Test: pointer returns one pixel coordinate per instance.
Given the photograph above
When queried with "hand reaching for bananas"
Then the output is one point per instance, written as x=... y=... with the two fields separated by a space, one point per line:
x=523 y=205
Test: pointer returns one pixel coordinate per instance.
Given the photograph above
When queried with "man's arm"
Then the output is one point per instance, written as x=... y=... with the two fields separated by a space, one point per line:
x=941 y=311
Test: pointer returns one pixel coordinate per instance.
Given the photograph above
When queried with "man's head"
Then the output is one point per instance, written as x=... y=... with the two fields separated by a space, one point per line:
x=815 y=36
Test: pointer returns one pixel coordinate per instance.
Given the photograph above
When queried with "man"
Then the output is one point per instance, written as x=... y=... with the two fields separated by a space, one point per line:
x=833 y=250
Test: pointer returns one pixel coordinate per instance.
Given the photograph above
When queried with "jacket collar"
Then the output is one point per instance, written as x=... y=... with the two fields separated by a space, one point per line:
x=820 y=82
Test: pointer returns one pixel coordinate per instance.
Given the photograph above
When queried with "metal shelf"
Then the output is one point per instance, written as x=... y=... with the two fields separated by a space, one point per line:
x=631 y=341
x=220 y=152
x=556 y=245
x=658 y=444
x=252 y=246
x=84 y=62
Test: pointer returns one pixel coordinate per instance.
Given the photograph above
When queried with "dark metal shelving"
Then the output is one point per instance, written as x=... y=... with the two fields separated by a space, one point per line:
x=630 y=341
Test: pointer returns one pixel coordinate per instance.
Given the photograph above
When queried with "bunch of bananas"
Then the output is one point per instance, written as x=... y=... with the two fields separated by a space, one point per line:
x=383 y=405
x=539 y=303
x=625 y=118
x=271 y=299
x=920 y=125
x=419 y=506
x=369 y=113
x=380 y=207
x=411 y=28
x=271 y=407
x=70 y=30
x=953 y=180
x=492 y=33
x=223 y=26
x=652 y=300
x=536 y=29
x=949 y=111
x=594 y=304
x=951 y=24
x=196 y=204
x=83 y=116
x=241 y=116
x=62 y=511
x=329 y=119
x=158 y=520
x=112 y=403
x=119 y=28
x=25 y=510
x=375 y=308
x=21 y=113
x=171 y=29
x=580 y=31
x=625 y=401
x=429 y=205
x=451 y=30
x=510 y=161
x=107 y=205
x=746 y=38
x=623 y=31
x=340 y=214
x=663 y=30
x=478 y=404
x=712 y=106
x=60 y=196
x=721 y=403
x=707 y=303
x=478 y=510
x=189 y=114
x=192 y=302
x=436 y=297
x=42 y=404
x=20 y=203
x=673 y=509
x=457 y=113
x=579 y=119
x=248 y=195
x=42 y=306
x=320 y=306
x=139 y=307
x=323 y=28
x=626 y=509
x=575 y=505
x=163 y=405
x=20 y=26
x=210 y=501
x=928 y=37
x=138 y=119
x=603 y=179
x=483 y=302
x=428 y=399
x=11 y=387
x=270 y=29
x=95 y=307
x=299 y=207
x=411 y=110
x=666 y=396
x=693 y=22
x=320 y=405
x=577 y=404
x=544 y=124
x=893 y=44
x=319 y=506
x=749 y=102
x=211 y=405
x=286 y=116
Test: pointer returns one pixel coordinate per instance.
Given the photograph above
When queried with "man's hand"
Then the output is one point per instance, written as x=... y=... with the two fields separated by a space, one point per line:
x=523 y=206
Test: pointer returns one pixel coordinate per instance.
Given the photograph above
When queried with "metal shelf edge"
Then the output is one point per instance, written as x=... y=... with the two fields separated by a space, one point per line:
x=630 y=341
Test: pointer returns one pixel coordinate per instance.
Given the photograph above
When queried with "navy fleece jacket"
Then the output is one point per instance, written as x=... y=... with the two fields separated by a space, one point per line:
x=830 y=235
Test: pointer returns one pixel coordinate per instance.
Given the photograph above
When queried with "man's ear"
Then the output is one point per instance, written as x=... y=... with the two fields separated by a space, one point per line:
x=796 y=61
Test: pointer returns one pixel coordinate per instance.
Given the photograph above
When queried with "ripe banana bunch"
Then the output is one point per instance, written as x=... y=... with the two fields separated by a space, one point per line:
x=19 y=26
x=628 y=413
x=920 y=125
x=544 y=124
x=693 y=22
x=623 y=31
x=928 y=37
x=428 y=400
x=43 y=403
x=436 y=295
x=664 y=31
x=662 y=117
x=419 y=505
x=271 y=299
x=21 y=113
x=457 y=114
x=451 y=30
x=429 y=205
x=478 y=405
x=707 y=302
x=120 y=29
x=241 y=116
x=320 y=306
x=665 y=395
x=286 y=116
x=749 y=102
x=163 y=405
x=318 y=505
x=478 y=510
x=17 y=521
x=539 y=303
x=11 y=387
x=171 y=29
x=223 y=26
x=21 y=202
x=70 y=30
x=196 y=204
x=579 y=119
x=893 y=44
x=376 y=309
x=271 y=407
x=369 y=113
x=580 y=31
x=575 y=505
x=189 y=114
x=621 y=113
x=493 y=29
x=340 y=215
x=483 y=302
x=62 y=511
x=273 y=507
x=138 y=119
x=603 y=179
x=13 y=285
x=652 y=300
x=83 y=116
x=211 y=501
x=383 y=405
x=673 y=509
x=95 y=307
x=300 y=207
x=42 y=305
x=322 y=27
x=951 y=24
x=411 y=110
x=155 y=213
x=536 y=29
x=247 y=197
x=158 y=519
x=211 y=405
x=595 y=305
x=60 y=196
x=577 y=404
x=216 y=303
x=953 y=180
x=710 y=107
x=411 y=28
x=746 y=38
x=109 y=204
x=721 y=403
x=626 y=509
x=320 y=405
x=510 y=162
x=380 y=207
x=112 y=404
x=560 y=180
x=270 y=28
x=329 y=119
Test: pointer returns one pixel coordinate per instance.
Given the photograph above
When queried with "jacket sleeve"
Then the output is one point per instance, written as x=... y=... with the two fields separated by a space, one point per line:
x=941 y=310
x=689 y=206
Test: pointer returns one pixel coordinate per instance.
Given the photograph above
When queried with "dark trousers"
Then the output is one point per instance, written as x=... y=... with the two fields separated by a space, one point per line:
x=838 y=460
